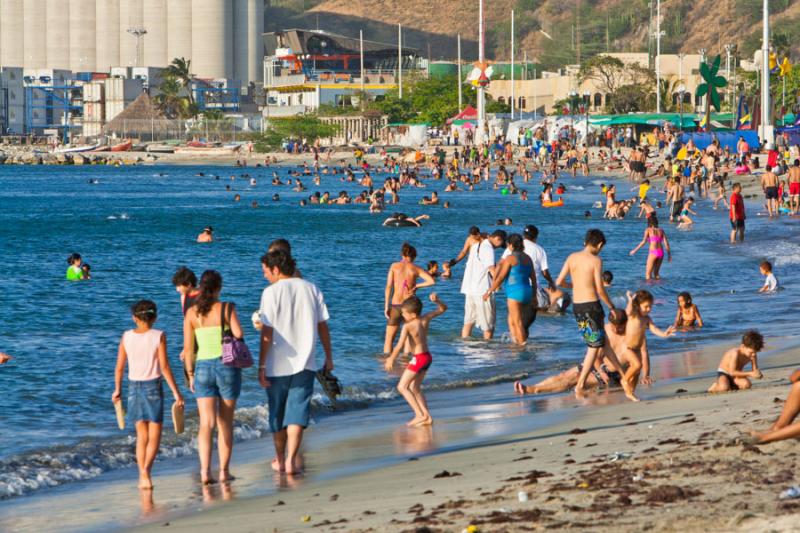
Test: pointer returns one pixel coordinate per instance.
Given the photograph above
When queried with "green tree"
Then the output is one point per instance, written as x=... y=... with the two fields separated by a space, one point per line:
x=181 y=70
x=171 y=99
x=308 y=127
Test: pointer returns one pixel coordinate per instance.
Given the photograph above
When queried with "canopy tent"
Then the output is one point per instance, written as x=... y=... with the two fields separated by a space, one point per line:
x=690 y=120
x=468 y=113
x=726 y=138
x=405 y=134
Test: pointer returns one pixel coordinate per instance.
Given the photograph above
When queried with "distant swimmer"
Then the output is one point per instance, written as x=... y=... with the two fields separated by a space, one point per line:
x=207 y=235
x=86 y=268
x=401 y=220
x=4 y=358
x=74 y=271
x=252 y=182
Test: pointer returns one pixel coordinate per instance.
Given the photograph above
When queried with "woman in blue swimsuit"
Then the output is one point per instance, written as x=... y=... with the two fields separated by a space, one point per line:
x=517 y=271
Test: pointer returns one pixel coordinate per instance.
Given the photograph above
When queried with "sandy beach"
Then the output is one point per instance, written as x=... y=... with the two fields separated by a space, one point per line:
x=676 y=463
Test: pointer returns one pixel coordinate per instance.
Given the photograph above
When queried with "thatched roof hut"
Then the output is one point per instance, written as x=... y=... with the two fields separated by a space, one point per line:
x=141 y=119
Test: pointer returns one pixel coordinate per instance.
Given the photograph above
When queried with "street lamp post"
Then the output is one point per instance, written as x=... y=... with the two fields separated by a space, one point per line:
x=681 y=91
x=586 y=99
x=572 y=99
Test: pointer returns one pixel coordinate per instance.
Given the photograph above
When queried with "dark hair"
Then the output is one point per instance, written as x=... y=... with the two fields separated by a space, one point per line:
x=408 y=251
x=474 y=230
x=652 y=221
x=640 y=297
x=608 y=276
x=502 y=235
x=515 y=242
x=412 y=305
x=432 y=264
x=768 y=168
x=619 y=319
x=208 y=229
x=753 y=339
x=531 y=232
x=280 y=244
x=210 y=285
x=766 y=265
x=280 y=259
x=73 y=257
x=145 y=310
x=184 y=276
x=594 y=237
x=686 y=297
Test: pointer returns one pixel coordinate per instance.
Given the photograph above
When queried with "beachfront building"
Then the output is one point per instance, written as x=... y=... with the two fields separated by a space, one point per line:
x=539 y=95
x=222 y=38
x=305 y=69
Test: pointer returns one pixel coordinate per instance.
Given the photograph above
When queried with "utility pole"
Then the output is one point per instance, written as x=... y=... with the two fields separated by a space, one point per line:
x=400 y=60
x=460 y=83
x=481 y=89
x=513 y=93
x=361 y=54
x=766 y=132
x=658 y=56
x=138 y=32
x=728 y=50
x=578 y=31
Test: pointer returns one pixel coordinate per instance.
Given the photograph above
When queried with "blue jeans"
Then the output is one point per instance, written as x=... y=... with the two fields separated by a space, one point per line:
x=212 y=379
x=289 y=399
x=146 y=401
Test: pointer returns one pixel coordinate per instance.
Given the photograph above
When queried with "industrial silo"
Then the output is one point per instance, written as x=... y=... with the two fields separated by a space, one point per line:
x=255 y=33
x=212 y=38
x=108 y=34
x=154 y=17
x=82 y=36
x=130 y=20
x=35 y=30
x=241 y=41
x=179 y=29
x=12 y=33
x=57 y=16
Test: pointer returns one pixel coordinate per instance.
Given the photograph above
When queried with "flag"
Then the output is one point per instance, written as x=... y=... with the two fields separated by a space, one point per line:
x=743 y=117
x=773 y=63
x=703 y=121
x=785 y=66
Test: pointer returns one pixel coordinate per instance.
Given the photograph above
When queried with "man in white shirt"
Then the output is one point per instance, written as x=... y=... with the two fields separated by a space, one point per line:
x=477 y=280
x=539 y=258
x=293 y=315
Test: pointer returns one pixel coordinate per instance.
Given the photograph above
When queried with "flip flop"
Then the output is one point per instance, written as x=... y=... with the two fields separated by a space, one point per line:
x=177 y=418
x=330 y=384
x=120 y=409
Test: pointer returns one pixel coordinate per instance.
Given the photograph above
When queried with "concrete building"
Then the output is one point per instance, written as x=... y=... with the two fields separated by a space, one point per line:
x=305 y=69
x=223 y=38
x=12 y=101
x=540 y=94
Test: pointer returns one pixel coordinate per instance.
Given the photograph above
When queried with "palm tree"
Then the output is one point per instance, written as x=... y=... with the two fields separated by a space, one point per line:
x=181 y=70
x=667 y=88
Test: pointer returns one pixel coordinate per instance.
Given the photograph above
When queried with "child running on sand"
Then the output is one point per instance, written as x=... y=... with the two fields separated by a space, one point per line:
x=601 y=374
x=415 y=332
x=770 y=281
x=145 y=351
x=730 y=375
x=639 y=306
x=688 y=316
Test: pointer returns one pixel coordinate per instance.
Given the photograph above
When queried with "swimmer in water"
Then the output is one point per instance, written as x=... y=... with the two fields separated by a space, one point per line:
x=74 y=271
x=207 y=235
x=86 y=268
x=4 y=358
x=688 y=316
x=401 y=219
x=401 y=284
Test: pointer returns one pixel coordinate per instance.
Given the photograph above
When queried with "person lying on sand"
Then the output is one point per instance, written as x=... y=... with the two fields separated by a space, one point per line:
x=784 y=427
x=601 y=373
x=730 y=374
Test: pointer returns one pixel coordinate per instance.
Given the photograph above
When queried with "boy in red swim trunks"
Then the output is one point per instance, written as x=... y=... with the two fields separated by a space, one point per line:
x=415 y=332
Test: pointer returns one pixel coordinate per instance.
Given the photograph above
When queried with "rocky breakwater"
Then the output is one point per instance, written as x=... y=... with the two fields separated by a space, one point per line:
x=19 y=156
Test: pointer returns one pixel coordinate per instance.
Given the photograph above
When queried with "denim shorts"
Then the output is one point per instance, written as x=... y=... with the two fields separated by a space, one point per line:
x=212 y=379
x=289 y=399
x=146 y=401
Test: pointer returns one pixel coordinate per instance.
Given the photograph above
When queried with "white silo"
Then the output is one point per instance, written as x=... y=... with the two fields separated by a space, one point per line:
x=58 y=34
x=82 y=36
x=35 y=30
x=12 y=33
x=130 y=18
x=241 y=42
x=179 y=29
x=154 y=16
x=255 y=32
x=212 y=38
x=108 y=34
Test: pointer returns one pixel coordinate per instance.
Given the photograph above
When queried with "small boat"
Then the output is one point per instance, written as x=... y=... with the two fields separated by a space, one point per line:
x=215 y=150
x=557 y=203
x=122 y=147
x=160 y=149
x=77 y=149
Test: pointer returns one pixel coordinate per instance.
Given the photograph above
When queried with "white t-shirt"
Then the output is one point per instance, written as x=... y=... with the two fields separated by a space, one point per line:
x=292 y=308
x=476 y=272
x=771 y=283
x=538 y=257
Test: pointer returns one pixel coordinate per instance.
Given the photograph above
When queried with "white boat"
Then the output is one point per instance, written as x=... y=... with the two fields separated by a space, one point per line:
x=76 y=149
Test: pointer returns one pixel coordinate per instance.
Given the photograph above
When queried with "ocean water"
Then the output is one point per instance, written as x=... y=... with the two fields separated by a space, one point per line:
x=138 y=224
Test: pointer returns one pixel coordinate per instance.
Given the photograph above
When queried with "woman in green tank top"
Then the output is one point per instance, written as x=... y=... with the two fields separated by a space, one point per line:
x=215 y=385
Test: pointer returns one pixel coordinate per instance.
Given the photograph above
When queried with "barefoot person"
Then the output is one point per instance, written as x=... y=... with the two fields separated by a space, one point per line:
x=737 y=214
x=785 y=427
x=144 y=349
x=518 y=269
x=731 y=374
x=794 y=186
x=415 y=333
x=769 y=184
x=639 y=306
x=658 y=245
x=585 y=270
x=401 y=284
x=216 y=386
x=293 y=315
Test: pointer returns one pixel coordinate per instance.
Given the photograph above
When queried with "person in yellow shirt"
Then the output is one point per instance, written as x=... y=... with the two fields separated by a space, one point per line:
x=643 y=188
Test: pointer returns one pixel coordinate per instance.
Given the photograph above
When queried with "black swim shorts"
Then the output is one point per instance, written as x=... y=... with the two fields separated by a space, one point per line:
x=771 y=193
x=590 y=316
x=737 y=224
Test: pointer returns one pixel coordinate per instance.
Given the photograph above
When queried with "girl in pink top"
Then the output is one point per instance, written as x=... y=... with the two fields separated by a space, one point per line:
x=145 y=351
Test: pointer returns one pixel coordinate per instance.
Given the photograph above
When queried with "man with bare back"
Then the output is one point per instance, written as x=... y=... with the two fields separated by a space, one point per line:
x=401 y=284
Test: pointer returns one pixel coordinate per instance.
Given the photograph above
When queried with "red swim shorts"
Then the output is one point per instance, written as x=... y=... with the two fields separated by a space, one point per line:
x=420 y=362
x=794 y=189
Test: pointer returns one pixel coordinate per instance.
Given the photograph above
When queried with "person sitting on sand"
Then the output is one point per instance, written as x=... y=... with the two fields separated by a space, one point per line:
x=730 y=374
x=688 y=316
x=639 y=306
x=415 y=334
x=601 y=374
x=207 y=235
x=784 y=427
